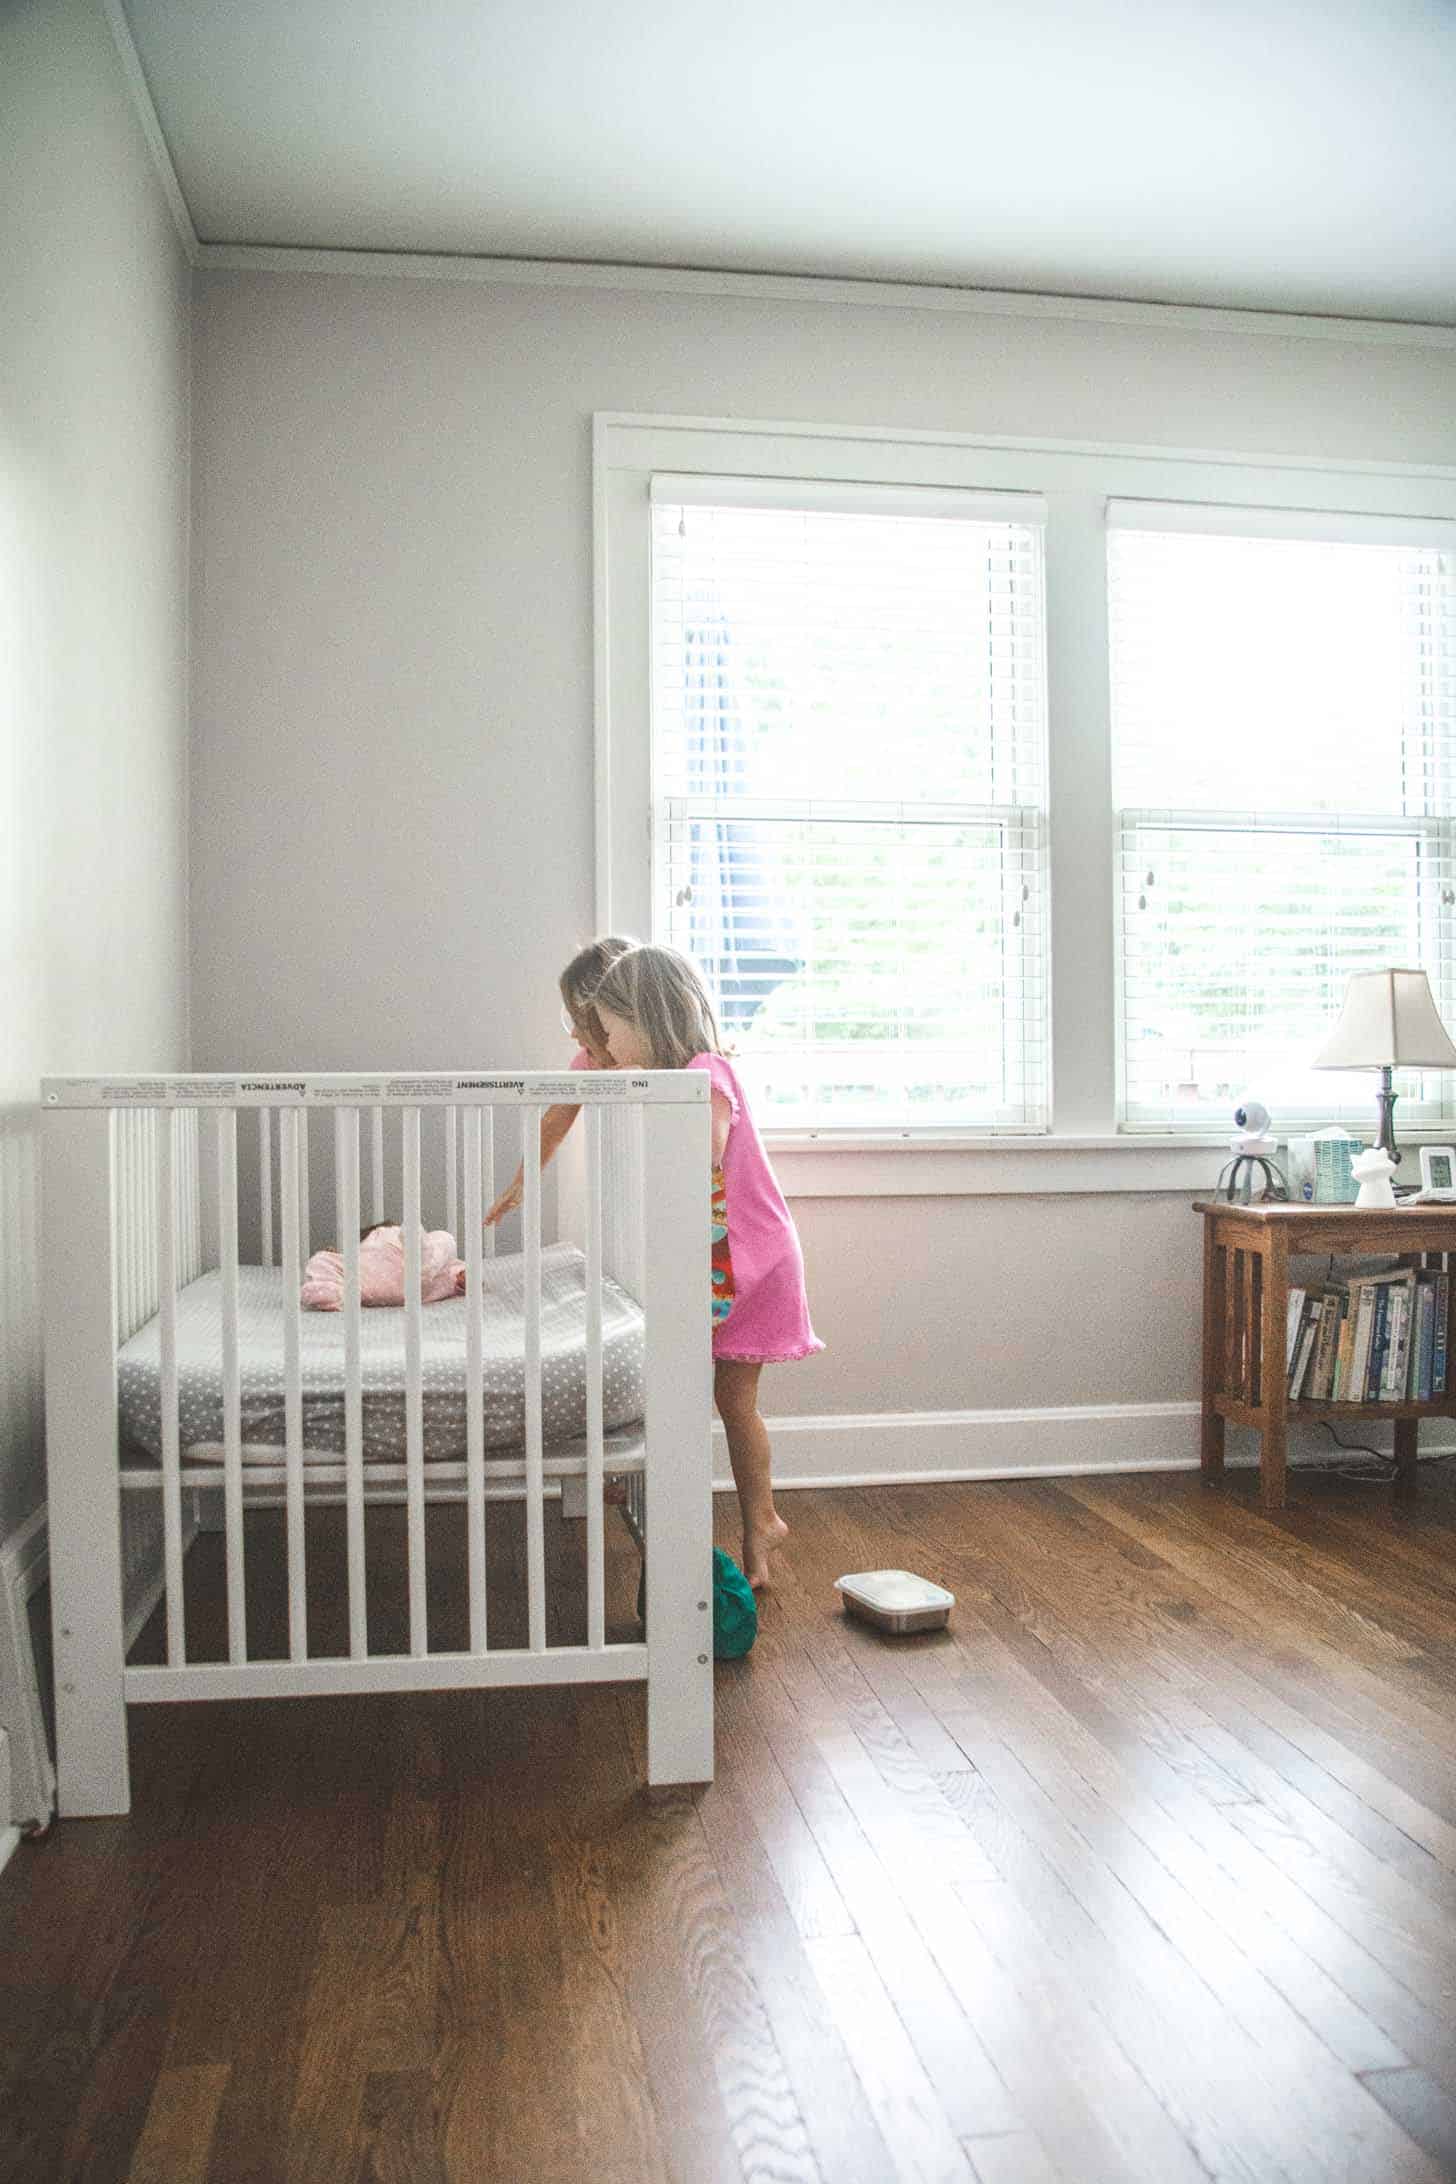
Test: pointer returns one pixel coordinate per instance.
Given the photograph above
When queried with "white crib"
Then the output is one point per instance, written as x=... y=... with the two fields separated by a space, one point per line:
x=149 y=1183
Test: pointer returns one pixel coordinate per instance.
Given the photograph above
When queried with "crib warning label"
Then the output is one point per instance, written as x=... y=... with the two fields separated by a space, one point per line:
x=192 y=1091
x=132 y=1094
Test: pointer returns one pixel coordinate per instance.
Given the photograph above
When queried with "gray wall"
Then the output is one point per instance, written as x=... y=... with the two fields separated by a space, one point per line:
x=392 y=836
x=94 y=345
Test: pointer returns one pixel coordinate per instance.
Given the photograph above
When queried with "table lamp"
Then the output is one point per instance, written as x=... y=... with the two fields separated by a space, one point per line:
x=1389 y=1021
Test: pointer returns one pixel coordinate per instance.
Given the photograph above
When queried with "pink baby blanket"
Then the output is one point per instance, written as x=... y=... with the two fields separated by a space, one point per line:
x=381 y=1271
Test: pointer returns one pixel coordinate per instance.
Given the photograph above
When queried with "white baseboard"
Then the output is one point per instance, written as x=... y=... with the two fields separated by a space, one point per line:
x=905 y=1448
x=917 y=1448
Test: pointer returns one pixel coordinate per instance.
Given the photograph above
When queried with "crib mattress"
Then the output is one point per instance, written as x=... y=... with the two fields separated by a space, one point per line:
x=501 y=1305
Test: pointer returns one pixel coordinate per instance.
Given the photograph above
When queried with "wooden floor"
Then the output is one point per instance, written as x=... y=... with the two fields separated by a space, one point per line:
x=1146 y=1869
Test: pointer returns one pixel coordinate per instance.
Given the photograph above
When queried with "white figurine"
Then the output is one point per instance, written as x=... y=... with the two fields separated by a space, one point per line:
x=1373 y=1170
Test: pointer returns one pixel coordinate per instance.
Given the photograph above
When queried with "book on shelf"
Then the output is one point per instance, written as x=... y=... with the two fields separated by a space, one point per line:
x=1345 y=1349
x=1396 y=1376
x=1439 y=1344
x=1293 y=1320
x=1379 y=1344
x=1322 y=1364
x=1425 y=1335
x=1360 y=1352
x=1311 y=1313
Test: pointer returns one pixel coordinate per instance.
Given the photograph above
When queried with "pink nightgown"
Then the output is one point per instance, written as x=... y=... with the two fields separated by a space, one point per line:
x=769 y=1321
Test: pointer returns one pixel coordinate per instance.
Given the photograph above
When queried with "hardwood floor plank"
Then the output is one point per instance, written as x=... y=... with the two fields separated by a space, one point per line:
x=1424 y=2112
x=1016 y=2157
x=176 y=2139
x=923 y=2148
x=966 y=2083
x=841 y=2125
x=399 y=2131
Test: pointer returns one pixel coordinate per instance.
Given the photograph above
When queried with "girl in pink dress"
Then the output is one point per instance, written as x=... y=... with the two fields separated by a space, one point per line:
x=656 y=1014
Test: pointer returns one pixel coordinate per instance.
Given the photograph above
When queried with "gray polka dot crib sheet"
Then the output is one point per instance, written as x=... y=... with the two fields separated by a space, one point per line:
x=502 y=1306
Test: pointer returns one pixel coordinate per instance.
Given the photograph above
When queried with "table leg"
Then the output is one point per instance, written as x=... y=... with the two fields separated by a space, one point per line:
x=1407 y=1438
x=1273 y=1383
x=1213 y=1282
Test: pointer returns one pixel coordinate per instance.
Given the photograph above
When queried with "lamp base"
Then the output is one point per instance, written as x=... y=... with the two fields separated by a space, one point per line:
x=1386 y=1100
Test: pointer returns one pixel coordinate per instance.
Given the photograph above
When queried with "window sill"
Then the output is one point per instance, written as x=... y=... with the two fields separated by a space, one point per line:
x=901 y=1165
x=904 y=1166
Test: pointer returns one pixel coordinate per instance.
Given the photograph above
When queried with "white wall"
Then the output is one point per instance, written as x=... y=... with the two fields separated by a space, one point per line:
x=94 y=348
x=392 y=833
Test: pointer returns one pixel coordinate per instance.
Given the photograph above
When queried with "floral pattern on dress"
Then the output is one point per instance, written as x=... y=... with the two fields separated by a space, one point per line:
x=720 y=1259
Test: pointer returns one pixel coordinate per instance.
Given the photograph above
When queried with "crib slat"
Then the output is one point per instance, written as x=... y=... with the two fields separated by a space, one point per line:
x=452 y=1180
x=414 y=1430
x=487 y=1173
x=122 y=1219
x=156 y=1118
x=346 y=1199
x=292 y=1131
x=474 y=1390
x=191 y=1210
x=376 y=1194
x=535 y=1478
x=232 y=1429
x=305 y=1199
x=265 y=1181
x=595 y=1549
x=171 y=1450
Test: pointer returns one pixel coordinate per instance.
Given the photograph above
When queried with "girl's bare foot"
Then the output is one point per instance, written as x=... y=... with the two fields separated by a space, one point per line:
x=759 y=1542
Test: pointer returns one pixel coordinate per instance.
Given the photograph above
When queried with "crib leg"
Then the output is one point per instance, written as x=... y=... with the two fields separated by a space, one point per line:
x=83 y=1491
x=679 y=1492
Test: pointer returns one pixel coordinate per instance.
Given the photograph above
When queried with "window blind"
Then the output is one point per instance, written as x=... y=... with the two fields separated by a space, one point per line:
x=849 y=811
x=1284 y=769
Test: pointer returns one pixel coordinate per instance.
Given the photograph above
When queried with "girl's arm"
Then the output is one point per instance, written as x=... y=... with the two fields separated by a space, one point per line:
x=722 y=1124
x=554 y=1125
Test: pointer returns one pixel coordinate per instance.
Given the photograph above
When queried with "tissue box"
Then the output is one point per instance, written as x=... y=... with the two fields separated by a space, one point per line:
x=1319 y=1168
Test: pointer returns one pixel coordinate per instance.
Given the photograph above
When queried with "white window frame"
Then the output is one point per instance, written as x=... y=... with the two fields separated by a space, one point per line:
x=1084 y=1149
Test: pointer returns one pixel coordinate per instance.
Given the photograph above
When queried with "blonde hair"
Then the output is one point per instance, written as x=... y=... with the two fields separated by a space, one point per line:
x=662 y=993
x=584 y=973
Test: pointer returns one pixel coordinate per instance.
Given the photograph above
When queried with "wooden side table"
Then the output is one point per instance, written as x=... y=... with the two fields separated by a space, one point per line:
x=1246 y=1254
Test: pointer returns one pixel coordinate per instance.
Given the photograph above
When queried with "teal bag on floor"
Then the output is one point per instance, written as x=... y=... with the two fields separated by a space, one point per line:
x=735 y=1611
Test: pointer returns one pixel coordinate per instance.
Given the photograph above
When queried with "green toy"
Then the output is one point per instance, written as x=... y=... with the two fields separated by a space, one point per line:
x=735 y=1611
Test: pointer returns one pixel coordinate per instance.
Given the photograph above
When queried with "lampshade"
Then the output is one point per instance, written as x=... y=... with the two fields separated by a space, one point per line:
x=1389 y=1021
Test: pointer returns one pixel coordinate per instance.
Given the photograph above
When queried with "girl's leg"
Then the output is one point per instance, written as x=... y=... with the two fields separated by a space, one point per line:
x=735 y=1390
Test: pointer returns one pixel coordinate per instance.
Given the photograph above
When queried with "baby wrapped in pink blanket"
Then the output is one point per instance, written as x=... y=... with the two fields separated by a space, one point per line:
x=381 y=1271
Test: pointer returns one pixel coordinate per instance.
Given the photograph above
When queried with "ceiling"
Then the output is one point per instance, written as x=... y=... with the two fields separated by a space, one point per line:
x=1285 y=155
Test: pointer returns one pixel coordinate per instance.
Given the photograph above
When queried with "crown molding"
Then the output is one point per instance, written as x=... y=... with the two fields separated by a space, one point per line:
x=146 y=113
x=815 y=289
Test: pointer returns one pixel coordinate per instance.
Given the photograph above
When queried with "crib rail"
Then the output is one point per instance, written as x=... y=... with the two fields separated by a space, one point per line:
x=151 y=1180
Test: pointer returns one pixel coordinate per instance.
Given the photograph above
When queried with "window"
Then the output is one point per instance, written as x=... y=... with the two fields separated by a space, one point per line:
x=1284 y=769
x=892 y=728
x=849 y=812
